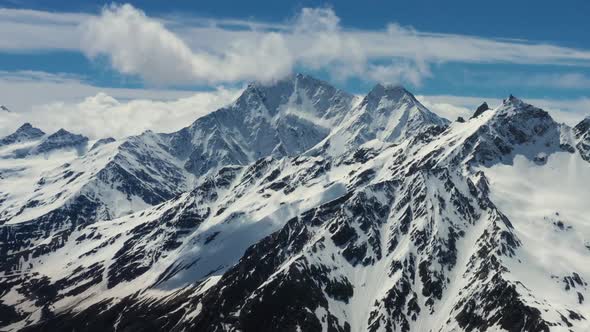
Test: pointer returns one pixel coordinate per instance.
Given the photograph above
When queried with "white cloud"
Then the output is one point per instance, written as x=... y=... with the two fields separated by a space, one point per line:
x=51 y=102
x=139 y=45
x=569 y=111
x=445 y=109
x=23 y=90
x=181 y=50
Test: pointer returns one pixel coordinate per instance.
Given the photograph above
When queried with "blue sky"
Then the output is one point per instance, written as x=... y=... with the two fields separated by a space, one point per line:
x=460 y=51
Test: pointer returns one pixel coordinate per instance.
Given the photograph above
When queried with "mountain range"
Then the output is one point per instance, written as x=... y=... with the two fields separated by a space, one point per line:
x=301 y=207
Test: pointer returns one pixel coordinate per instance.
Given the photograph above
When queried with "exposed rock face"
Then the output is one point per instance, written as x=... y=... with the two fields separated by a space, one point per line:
x=62 y=139
x=404 y=226
x=480 y=109
x=283 y=119
x=24 y=133
x=102 y=141
x=582 y=134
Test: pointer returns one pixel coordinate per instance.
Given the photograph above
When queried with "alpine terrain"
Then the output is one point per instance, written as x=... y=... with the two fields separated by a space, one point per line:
x=300 y=207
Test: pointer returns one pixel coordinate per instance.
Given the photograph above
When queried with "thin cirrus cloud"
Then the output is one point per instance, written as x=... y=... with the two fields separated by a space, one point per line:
x=180 y=50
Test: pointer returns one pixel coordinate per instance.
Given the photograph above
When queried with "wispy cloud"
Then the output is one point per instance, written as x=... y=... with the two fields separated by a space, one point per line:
x=181 y=50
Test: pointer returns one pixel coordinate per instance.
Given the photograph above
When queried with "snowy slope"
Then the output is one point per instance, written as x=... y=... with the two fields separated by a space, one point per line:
x=386 y=113
x=392 y=219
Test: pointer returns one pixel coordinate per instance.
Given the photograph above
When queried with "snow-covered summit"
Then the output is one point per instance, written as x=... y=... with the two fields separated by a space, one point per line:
x=284 y=118
x=388 y=113
x=583 y=127
x=26 y=132
x=61 y=139
x=392 y=94
x=582 y=134
x=303 y=92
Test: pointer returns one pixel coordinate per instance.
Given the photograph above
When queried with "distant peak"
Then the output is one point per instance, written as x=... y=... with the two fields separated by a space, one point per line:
x=29 y=129
x=513 y=101
x=61 y=132
x=390 y=93
x=25 y=126
x=582 y=127
x=4 y=108
x=23 y=133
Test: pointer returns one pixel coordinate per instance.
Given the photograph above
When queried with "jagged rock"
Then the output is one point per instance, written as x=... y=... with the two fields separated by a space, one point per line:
x=480 y=109
x=24 y=133
x=62 y=139
x=102 y=141
x=582 y=134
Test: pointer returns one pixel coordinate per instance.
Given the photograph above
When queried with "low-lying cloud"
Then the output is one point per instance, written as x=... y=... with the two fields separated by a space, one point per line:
x=102 y=115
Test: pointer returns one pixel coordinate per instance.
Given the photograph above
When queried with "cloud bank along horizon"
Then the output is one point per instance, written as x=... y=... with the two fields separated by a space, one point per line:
x=169 y=52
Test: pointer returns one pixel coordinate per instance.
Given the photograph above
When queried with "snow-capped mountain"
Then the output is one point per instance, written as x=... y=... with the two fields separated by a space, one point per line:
x=388 y=114
x=24 y=133
x=292 y=209
x=117 y=178
x=582 y=135
x=283 y=119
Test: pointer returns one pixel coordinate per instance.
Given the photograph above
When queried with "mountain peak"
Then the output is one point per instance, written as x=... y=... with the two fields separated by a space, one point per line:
x=25 y=126
x=293 y=89
x=512 y=100
x=480 y=109
x=391 y=91
x=59 y=140
x=25 y=132
x=4 y=108
x=582 y=127
x=392 y=94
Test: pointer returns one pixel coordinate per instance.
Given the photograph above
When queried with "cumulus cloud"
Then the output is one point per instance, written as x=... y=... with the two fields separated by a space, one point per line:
x=139 y=45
